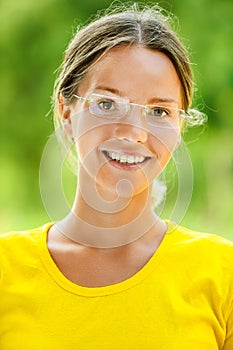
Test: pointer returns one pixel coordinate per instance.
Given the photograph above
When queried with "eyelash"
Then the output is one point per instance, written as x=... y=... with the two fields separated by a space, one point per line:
x=107 y=101
x=158 y=108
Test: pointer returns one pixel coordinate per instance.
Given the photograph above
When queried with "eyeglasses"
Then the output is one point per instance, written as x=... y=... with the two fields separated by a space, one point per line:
x=112 y=107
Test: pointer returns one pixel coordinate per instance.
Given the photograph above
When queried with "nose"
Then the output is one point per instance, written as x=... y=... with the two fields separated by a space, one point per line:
x=130 y=133
x=133 y=127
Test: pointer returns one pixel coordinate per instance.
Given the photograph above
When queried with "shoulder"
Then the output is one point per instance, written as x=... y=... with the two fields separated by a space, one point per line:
x=18 y=240
x=191 y=236
x=19 y=253
x=201 y=245
x=205 y=264
x=21 y=234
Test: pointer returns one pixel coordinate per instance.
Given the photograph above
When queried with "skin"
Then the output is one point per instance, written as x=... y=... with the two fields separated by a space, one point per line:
x=110 y=196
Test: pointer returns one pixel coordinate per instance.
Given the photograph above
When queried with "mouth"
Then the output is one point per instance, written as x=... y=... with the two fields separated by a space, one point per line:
x=125 y=161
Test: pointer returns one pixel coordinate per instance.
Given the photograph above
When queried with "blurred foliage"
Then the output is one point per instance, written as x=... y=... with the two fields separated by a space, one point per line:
x=33 y=36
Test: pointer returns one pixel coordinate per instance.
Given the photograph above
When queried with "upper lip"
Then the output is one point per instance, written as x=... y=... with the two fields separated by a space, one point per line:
x=126 y=148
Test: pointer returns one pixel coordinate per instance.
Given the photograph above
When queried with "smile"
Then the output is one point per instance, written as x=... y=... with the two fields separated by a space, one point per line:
x=125 y=158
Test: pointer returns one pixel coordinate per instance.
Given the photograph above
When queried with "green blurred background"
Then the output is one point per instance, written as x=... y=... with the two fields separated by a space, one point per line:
x=33 y=37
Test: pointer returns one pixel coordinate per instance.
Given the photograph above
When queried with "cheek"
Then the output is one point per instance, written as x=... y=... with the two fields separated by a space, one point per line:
x=88 y=140
x=86 y=144
x=163 y=143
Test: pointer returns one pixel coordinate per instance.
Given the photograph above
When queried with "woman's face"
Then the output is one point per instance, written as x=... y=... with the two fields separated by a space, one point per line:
x=137 y=146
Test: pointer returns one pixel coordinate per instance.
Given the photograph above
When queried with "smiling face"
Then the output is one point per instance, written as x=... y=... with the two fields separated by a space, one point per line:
x=132 y=147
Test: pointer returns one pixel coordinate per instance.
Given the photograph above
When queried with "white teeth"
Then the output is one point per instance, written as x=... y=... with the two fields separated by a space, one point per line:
x=113 y=156
x=123 y=158
x=130 y=159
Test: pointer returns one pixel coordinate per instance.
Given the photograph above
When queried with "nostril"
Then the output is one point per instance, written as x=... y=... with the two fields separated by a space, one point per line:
x=131 y=133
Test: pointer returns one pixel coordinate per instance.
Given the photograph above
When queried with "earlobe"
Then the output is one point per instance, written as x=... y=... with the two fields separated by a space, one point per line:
x=67 y=127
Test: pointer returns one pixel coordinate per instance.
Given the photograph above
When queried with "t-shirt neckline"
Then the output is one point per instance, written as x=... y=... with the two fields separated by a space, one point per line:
x=63 y=282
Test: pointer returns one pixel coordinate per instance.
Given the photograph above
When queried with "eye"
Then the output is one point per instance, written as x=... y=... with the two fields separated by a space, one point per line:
x=106 y=105
x=157 y=112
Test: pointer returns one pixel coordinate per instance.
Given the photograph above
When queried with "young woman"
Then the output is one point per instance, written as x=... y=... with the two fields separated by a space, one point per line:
x=112 y=274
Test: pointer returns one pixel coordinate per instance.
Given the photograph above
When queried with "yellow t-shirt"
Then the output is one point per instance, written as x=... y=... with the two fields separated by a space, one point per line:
x=180 y=300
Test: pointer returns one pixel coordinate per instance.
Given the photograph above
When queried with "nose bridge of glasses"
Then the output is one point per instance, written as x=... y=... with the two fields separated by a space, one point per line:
x=136 y=109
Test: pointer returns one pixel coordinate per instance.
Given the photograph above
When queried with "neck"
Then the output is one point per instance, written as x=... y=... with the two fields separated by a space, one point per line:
x=124 y=221
x=101 y=218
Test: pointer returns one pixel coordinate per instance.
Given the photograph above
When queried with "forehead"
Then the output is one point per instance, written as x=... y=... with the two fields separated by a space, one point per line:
x=136 y=72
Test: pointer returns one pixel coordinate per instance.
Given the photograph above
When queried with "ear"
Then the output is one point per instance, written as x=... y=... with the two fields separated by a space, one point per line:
x=65 y=113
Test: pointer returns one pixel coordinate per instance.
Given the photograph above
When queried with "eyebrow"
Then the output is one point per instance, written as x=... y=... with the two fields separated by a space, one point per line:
x=112 y=90
x=152 y=100
x=163 y=100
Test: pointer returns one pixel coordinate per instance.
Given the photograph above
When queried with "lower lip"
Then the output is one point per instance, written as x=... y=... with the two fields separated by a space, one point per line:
x=125 y=166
